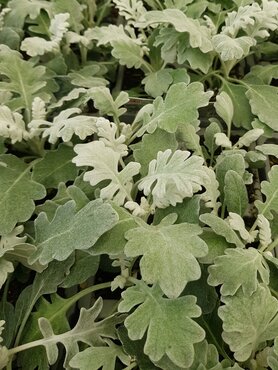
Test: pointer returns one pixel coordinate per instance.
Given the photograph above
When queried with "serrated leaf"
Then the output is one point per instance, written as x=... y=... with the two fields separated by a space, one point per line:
x=74 y=9
x=249 y=321
x=55 y=167
x=170 y=329
x=145 y=151
x=169 y=254
x=107 y=132
x=12 y=125
x=263 y=100
x=237 y=223
x=105 y=162
x=64 y=126
x=264 y=231
x=270 y=190
x=87 y=330
x=199 y=35
x=179 y=107
x=94 y=358
x=232 y=49
x=236 y=197
x=222 y=228
x=17 y=193
x=71 y=230
x=224 y=108
x=238 y=268
x=128 y=52
x=104 y=102
x=172 y=177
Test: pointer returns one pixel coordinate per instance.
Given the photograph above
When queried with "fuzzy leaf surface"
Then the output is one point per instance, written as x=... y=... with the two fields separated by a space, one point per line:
x=169 y=254
x=249 y=321
x=236 y=197
x=168 y=323
x=238 y=268
x=105 y=162
x=270 y=190
x=17 y=193
x=172 y=177
x=71 y=230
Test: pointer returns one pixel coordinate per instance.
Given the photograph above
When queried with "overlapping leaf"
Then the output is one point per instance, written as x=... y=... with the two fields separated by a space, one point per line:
x=71 y=230
x=105 y=162
x=168 y=323
x=169 y=254
x=239 y=268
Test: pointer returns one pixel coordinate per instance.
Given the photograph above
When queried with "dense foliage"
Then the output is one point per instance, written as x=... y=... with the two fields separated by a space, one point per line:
x=138 y=184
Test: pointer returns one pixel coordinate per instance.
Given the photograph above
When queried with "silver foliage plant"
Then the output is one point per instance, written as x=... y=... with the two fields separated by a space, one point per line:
x=156 y=226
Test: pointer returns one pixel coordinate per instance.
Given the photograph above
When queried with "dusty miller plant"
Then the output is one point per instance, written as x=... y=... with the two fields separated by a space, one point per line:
x=138 y=241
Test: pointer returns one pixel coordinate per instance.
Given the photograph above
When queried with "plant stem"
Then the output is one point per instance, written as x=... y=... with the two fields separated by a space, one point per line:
x=273 y=245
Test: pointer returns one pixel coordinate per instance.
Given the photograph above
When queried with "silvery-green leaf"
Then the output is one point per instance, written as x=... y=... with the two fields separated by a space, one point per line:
x=249 y=137
x=237 y=223
x=169 y=254
x=270 y=190
x=268 y=149
x=209 y=136
x=222 y=139
x=157 y=83
x=224 y=108
x=12 y=125
x=168 y=323
x=212 y=193
x=264 y=230
x=238 y=268
x=249 y=321
x=236 y=196
x=230 y=48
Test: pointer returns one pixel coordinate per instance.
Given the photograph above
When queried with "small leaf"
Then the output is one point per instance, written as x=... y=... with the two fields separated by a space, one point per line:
x=238 y=268
x=12 y=125
x=169 y=254
x=209 y=136
x=249 y=321
x=237 y=223
x=157 y=83
x=224 y=108
x=264 y=231
x=71 y=230
x=249 y=137
x=222 y=139
x=236 y=197
x=170 y=329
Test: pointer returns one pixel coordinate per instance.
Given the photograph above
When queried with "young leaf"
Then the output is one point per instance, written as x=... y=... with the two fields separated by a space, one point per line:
x=107 y=132
x=105 y=162
x=212 y=193
x=237 y=223
x=12 y=125
x=222 y=139
x=270 y=190
x=224 y=108
x=94 y=358
x=17 y=193
x=249 y=137
x=209 y=136
x=157 y=83
x=64 y=126
x=169 y=254
x=268 y=149
x=249 y=321
x=238 y=268
x=71 y=230
x=264 y=231
x=87 y=330
x=172 y=177
x=179 y=107
x=145 y=151
x=236 y=197
x=55 y=167
x=221 y=227
x=170 y=329
x=263 y=100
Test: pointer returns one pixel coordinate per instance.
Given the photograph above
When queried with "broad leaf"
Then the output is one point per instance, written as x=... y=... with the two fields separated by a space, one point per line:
x=17 y=193
x=179 y=107
x=263 y=100
x=169 y=254
x=238 y=268
x=105 y=162
x=268 y=149
x=172 y=177
x=230 y=48
x=249 y=321
x=270 y=190
x=157 y=83
x=55 y=167
x=71 y=230
x=168 y=323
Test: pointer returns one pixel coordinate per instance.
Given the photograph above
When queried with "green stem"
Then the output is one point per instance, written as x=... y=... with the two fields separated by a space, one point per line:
x=102 y=12
x=273 y=292
x=273 y=245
